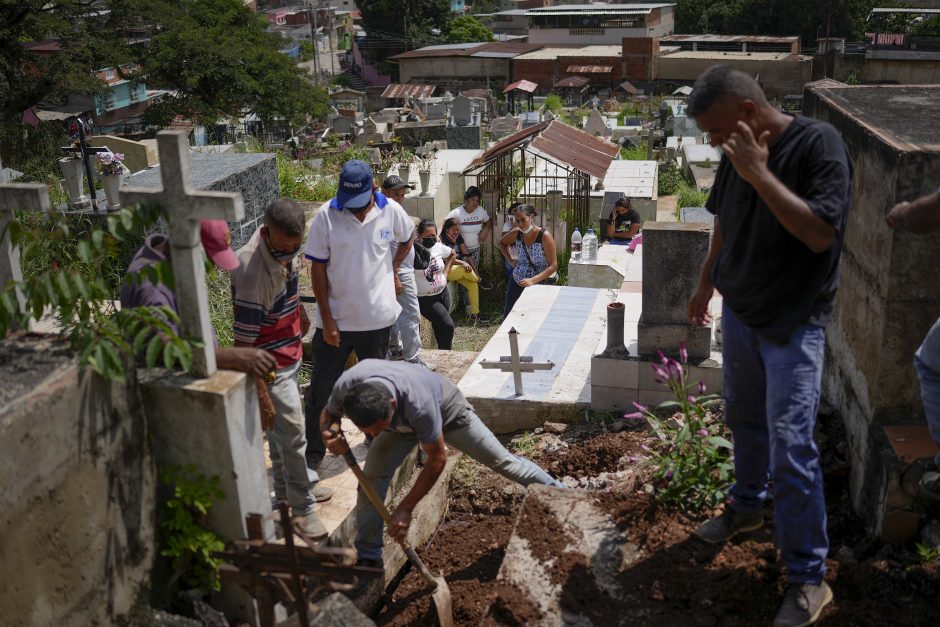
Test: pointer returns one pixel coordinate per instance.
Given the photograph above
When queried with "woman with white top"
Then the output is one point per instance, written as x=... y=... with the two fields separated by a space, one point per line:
x=475 y=224
x=433 y=261
x=534 y=251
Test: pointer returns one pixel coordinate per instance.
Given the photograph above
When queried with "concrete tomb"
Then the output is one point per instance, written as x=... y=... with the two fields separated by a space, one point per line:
x=253 y=176
x=669 y=279
x=17 y=197
x=888 y=297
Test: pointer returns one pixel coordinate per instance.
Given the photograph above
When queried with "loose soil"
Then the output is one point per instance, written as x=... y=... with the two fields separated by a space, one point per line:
x=676 y=580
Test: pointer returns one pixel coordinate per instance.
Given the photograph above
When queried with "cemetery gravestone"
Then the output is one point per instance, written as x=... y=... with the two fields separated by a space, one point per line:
x=673 y=255
x=22 y=197
x=184 y=209
x=696 y=215
x=462 y=110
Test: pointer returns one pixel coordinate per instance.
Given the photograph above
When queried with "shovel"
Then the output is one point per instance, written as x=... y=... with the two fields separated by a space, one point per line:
x=441 y=594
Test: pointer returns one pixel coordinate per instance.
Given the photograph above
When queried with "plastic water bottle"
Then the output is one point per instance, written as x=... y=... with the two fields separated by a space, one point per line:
x=589 y=247
x=576 y=246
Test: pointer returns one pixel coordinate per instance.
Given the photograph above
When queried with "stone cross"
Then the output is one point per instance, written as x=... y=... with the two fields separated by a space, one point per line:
x=185 y=208
x=515 y=363
x=25 y=197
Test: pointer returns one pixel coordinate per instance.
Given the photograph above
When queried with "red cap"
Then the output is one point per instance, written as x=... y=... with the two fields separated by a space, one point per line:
x=216 y=242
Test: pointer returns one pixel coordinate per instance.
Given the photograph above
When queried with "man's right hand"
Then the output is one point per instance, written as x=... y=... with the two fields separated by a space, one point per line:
x=330 y=332
x=244 y=359
x=335 y=442
x=399 y=287
x=698 y=306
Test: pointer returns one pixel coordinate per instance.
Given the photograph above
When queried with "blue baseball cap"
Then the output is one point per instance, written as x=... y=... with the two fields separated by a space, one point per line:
x=355 y=185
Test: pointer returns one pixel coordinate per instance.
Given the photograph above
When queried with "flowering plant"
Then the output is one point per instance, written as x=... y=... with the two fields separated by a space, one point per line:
x=426 y=160
x=691 y=457
x=110 y=163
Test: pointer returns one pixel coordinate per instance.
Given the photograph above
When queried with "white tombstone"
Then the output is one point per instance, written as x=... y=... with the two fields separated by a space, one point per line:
x=462 y=110
x=23 y=197
x=596 y=124
x=185 y=208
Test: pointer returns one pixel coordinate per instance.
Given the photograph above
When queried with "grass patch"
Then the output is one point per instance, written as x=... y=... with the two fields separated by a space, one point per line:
x=464 y=476
x=524 y=444
x=220 y=306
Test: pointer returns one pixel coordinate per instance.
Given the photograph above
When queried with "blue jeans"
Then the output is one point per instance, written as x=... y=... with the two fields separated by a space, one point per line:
x=467 y=434
x=287 y=444
x=926 y=362
x=406 y=332
x=771 y=399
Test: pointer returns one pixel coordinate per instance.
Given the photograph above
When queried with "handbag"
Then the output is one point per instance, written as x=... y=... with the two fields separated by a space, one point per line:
x=552 y=279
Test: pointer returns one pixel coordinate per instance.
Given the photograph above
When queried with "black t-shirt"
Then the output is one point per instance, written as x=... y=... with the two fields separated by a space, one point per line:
x=769 y=279
x=622 y=221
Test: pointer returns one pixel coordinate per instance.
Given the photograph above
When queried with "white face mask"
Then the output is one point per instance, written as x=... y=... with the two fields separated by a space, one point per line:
x=528 y=229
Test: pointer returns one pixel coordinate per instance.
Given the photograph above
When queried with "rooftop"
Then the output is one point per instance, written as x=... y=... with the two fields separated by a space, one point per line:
x=903 y=115
x=396 y=90
x=499 y=49
x=730 y=39
x=599 y=9
x=582 y=51
x=719 y=55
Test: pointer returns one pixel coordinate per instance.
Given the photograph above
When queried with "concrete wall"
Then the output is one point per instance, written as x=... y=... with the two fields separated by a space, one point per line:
x=888 y=295
x=903 y=72
x=779 y=78
x=77 y=505
x=422 y=70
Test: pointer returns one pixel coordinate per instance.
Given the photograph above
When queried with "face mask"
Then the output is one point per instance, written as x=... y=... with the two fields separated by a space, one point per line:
x=281 y=255
x=428 y=242
x=527 y=229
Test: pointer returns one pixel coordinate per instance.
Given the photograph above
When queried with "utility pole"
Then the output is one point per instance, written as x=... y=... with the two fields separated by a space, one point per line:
x=313 y=40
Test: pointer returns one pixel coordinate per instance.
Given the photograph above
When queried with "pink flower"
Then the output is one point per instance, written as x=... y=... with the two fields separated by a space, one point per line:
x=645 y=448
x=639 y=407
x=683 y=353
x=662 y=358
x=634 y=416
x=702 y=432
x=701 y=387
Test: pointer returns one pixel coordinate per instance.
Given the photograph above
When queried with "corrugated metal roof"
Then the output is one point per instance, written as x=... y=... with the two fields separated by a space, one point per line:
x=566 y=144
x=522 y=85
x=730 y=39
x=396 y=90
x=476 y=93
x=556 y=12
x=555 y=52
x=589 y=69
x=573 y=81
x=504 y=49
x=628 y=87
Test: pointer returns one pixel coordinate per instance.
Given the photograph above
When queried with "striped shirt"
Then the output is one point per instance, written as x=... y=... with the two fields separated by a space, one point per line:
x=267 y=306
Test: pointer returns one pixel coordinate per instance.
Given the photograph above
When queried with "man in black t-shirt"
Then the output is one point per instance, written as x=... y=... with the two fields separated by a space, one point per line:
x=781 y=199
x=624 y=222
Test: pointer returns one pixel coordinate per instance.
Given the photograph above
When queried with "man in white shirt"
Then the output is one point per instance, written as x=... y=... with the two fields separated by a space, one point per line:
x=475 y=223
x=353 y=276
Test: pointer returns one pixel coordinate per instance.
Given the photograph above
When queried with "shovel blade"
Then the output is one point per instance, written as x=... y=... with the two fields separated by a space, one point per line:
x=442 y=603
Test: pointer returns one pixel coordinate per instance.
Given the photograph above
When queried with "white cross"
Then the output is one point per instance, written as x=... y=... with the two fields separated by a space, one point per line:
x=185 y=208
x=515 y=363
x=25 y=197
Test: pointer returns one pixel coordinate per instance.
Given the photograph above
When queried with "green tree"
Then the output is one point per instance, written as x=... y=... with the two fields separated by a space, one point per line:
x=467 y=28
x=484 y=6
x=84 y=40
x=217 y=58
x=409 y=24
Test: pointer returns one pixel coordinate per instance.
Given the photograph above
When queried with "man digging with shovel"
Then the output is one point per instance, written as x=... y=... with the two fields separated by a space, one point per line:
x=404 y=404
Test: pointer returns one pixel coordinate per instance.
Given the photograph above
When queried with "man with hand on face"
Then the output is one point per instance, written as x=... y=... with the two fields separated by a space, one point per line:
x=353 y=275
x=405 y=405
x=781 y=200
x=269 y=316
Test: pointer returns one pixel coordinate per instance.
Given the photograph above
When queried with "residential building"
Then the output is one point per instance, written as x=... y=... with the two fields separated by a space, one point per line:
x=593 y=24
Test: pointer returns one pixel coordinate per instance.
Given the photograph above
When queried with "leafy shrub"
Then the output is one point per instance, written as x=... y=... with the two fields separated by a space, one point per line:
x=690 y=196
x=692 y=456
x=186 y=540
x=669 y=179
x=554 y=103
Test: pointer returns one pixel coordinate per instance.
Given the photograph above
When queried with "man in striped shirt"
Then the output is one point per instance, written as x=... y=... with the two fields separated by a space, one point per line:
x=268 y=315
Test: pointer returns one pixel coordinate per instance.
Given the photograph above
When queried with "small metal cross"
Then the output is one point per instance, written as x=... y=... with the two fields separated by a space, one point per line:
x=515 y=363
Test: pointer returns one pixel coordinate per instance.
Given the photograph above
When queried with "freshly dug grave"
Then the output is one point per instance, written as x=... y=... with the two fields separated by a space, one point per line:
x=676 y=580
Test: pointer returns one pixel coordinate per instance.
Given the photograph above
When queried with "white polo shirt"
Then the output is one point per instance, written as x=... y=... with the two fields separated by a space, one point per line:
x=471 y=223
x=359 y=262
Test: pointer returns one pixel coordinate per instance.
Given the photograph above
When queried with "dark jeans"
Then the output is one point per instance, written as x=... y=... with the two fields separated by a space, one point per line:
x=327 y=368
x=437 y=310
x=513 y=292
x=771 y=399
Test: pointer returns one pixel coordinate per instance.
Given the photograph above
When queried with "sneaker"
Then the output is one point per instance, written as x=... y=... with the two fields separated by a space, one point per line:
x=311 y=526
x=930 y=485
x=322 y=493
x=803 y=604
x=363 y=583
x=728 y=524
x=420 y=362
